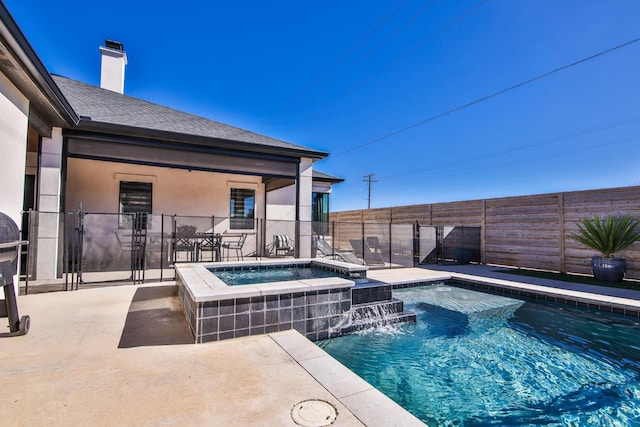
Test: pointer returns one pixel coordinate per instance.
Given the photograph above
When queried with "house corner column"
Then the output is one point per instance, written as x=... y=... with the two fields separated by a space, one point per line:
x=305 y=188
x=49 y=193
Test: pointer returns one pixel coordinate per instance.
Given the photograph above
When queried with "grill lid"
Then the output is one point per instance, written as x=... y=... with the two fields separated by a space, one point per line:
x=9 y=238
x=9 y=231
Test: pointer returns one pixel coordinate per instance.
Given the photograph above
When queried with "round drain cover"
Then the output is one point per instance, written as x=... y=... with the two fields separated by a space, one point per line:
x=314 y=413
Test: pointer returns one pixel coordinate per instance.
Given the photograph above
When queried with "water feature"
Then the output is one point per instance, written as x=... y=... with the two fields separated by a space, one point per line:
x=472 y=359
x=377 y=314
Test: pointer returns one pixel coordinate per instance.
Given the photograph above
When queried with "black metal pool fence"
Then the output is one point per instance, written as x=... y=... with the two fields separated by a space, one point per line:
x=69 y=250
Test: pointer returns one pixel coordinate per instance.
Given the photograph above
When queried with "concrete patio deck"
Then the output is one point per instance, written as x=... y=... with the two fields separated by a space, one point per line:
x=90 y=359
x=123 y=356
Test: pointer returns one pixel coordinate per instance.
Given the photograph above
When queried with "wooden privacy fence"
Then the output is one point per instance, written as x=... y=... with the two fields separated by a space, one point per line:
x=526 y=231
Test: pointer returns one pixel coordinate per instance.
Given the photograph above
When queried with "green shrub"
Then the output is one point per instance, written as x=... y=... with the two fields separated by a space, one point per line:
x=608 y=235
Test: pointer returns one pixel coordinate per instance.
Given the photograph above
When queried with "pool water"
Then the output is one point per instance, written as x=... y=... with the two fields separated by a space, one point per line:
x=534 y=365
x=270 y=275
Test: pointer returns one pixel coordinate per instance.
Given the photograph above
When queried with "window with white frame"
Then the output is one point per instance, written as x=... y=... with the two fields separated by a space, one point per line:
x=243 y=208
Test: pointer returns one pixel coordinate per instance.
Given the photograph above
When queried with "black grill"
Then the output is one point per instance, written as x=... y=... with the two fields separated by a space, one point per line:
x=9 y=247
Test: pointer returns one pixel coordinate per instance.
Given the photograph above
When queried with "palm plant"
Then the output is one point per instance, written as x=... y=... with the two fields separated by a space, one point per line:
x=608 y=235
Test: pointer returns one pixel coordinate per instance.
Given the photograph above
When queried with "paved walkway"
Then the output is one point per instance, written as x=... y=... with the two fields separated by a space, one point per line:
x=91 y=358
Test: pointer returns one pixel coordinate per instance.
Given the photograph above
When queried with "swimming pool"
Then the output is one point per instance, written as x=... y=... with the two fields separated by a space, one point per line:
x=247 y=276
x=514 y=364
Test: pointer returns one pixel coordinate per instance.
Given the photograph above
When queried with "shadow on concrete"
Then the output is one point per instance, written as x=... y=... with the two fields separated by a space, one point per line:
x=155 y=317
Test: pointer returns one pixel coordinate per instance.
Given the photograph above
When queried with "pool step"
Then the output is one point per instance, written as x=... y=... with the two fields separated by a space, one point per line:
x=372 y=315
x=471 y=304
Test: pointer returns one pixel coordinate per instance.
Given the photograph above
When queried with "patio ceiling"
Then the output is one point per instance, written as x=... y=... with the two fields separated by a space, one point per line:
x=162 y=154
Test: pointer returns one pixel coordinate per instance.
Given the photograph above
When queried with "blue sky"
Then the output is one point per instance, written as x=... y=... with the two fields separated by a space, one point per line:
x=336 y=75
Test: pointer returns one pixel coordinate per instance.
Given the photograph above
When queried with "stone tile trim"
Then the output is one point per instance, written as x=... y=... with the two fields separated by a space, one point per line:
x=315 y=314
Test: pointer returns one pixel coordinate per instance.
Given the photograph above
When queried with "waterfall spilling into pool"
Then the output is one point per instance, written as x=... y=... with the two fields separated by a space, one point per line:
x=381 y=314
x=373 y=307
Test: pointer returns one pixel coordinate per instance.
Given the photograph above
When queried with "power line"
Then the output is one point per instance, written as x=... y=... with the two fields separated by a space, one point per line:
x=372 y=50
x=292 y=102
x=522 y=147
x=549 y=140
x=487 y=97
x=532 y=159
x=526 y=160
x=407 y=53
x=344 y=56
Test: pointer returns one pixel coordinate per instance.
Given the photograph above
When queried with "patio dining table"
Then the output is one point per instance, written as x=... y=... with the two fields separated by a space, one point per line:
x=207 y=242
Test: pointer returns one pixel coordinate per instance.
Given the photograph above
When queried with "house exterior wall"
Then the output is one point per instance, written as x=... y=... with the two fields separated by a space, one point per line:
x=281 y=212
x=14 y=125
x=321 y=187
x=96 y=185
x=281 y=204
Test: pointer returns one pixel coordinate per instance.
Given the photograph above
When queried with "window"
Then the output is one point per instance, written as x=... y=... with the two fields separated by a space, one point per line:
x=242 y=209
x=135 y=198
x=320 y=213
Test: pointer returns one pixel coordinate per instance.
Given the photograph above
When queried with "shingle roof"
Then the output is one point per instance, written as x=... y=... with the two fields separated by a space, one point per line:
x=321 y=176
x=114 y=110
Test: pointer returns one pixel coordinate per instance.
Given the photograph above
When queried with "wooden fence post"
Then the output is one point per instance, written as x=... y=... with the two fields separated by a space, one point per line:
x=563 y=268
x=483 y=233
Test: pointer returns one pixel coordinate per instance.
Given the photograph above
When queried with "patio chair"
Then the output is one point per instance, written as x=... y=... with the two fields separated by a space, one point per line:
x=363 y=250
x=282 y=245
x=184 y=241
x=327 y=251
x=210 y=242
x=373 y=242
x=236 y=246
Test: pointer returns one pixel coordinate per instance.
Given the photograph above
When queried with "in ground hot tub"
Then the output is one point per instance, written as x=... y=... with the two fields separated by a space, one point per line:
x=316 y=305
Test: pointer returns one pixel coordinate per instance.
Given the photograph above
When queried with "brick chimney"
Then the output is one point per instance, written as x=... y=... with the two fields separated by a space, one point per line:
x=114 y=60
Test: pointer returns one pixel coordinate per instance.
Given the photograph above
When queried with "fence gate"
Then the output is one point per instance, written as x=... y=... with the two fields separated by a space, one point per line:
x=428 y=244
x=460 y=244
x=112 y=247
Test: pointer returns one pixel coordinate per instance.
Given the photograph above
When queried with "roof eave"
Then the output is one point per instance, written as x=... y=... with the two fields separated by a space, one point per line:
x=181 y=138
x=330 y=180
x=35 y=82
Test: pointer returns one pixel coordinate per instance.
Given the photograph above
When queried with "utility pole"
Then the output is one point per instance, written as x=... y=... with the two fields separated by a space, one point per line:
x=369 y=178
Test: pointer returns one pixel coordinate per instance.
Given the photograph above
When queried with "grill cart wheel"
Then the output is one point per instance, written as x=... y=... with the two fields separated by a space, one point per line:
x=25 y=323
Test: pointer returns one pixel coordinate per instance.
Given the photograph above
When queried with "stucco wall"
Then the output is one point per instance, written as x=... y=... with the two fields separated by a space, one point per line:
x=14 y=123
x=96 y=186
x=281 y=204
